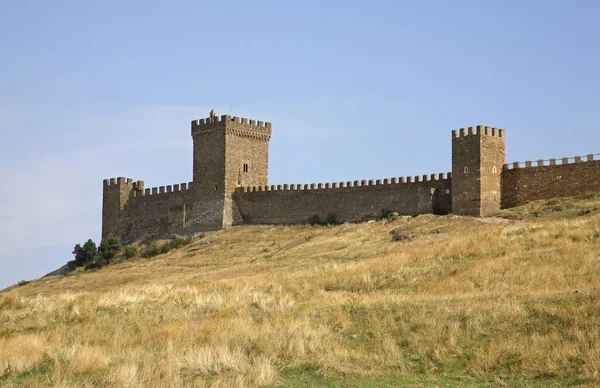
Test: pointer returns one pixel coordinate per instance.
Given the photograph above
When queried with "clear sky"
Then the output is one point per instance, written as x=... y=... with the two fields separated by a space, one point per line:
x=354 y=89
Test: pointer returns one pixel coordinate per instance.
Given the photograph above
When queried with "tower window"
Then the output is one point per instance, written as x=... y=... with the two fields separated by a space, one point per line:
x=245 y=167
x=466 y=170
x=494 y=170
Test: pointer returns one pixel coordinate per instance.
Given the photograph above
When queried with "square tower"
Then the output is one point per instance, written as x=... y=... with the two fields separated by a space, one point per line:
x=477 y=159
x=229 y=152
x=116 y=193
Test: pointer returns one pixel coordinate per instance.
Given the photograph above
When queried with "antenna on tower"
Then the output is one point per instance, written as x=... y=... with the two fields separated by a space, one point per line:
x=230 y=107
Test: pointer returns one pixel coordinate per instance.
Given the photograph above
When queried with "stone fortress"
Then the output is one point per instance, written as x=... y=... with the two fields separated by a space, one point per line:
x=230 y=185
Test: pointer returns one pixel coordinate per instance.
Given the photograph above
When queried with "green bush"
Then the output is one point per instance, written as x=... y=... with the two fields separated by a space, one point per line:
x=313 y=220
x=385 y=213
x=585 y=196
x=332 y=219
x=146 y=240
x=178 y=241
x=95 y=265
x=109 y=247
x=22 y=283
x=393 y=216
x=151 y=250
x=155 y=250
x=130 y=251
x=165 y=248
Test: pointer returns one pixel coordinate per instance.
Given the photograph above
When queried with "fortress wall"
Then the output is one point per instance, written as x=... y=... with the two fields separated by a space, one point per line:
x=349 y=201
x=162 y=211
x=156 y=211
x=547 y=179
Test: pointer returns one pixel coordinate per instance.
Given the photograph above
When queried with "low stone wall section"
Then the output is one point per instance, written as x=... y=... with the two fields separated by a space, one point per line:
x=526 y=182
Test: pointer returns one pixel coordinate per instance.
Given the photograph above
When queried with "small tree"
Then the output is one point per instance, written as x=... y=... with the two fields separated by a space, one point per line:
x=109 y=247
x=79 y=255
x=84 y=254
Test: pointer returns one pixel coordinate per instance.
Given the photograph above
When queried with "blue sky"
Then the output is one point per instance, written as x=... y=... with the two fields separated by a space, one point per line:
x=354 y=89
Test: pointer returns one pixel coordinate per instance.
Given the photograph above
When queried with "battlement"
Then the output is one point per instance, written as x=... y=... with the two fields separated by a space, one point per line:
x=232 y=126
x=121 y=181
x=550 y=162
x=117 y=181
x=479 y=130
x=387 y=182
x=160 y=190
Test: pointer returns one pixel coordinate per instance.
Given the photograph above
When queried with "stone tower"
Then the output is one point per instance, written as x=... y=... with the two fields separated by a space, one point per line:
x=229 y=152
x=116 y=193
x=477 y=160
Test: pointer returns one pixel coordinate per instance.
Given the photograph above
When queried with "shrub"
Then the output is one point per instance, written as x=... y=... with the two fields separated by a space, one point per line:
x=165 y=248
x=385 y=213
x=109 y=247
x=393 y=216
x=179 y=241
x=92 y=266
x=332 y=219
x=22 y=283
x=151 y=250
x=146 y=240
x=130 y=251
x=95 y=265
x=585 y=196
x=313 y=220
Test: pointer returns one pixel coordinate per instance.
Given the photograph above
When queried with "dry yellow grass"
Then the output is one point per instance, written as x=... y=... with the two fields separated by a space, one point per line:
x=480 y=303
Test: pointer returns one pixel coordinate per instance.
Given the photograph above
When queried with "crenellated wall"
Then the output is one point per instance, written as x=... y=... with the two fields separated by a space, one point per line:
x=523 y=183
x=230 y=176
x=157 y=211
x=349 y=201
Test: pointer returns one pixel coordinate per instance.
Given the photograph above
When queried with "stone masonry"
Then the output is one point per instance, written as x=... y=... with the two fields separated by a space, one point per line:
x=230 y=185
x=477 y=160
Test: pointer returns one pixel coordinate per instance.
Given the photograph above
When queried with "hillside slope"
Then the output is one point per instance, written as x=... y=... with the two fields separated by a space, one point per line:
x=461 y=301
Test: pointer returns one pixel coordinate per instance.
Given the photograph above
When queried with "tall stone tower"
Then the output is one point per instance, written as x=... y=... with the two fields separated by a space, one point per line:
x=228 y=152
x=477 y=160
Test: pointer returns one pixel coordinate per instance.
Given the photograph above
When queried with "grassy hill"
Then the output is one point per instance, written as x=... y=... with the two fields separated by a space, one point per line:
x=507 y=301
